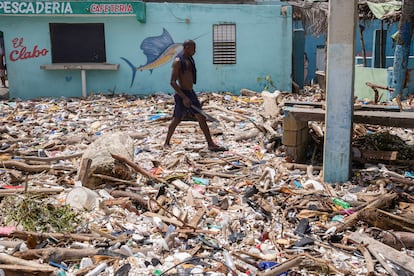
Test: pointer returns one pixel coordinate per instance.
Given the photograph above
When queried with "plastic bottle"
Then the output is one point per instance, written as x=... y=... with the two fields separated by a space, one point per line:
x=157 y=272
x=94 y=272
x=341 y=203
x=229 y=261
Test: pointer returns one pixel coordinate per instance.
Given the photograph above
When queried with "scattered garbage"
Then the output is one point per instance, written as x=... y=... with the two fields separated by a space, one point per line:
x=87 y=188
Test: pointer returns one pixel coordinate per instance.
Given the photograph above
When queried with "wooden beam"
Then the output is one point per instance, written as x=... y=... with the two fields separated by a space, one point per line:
x=382 y=118
x=387 y=252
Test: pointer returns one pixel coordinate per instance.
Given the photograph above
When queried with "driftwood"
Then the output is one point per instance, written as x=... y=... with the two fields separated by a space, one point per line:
x=271 y=134
x=84 y=170
x=115 y=180
x=35 y=190
x=247 y=135
x=49 y=159
x=375 y=88
x=299 y=261
x=402 y=180
x=227 y=118
x=249 y=93
x=32 y=168
x=20 y=270
x=384 y=220
x=169 y=220
x=10 y=263
x=24 y=235
x=143 y=203
x=58 y=254
x=386 y=252
x=293 y=166
x=223 y=175
x=368 y=260
x=381 y=201
x=235 y=114
x=398 y=240
x=137 y=168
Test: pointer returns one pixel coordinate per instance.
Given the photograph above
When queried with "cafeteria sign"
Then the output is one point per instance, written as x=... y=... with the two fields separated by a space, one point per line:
x=73 y=8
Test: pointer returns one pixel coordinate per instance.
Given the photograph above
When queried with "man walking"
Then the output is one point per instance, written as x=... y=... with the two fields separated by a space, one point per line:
x=183 y=76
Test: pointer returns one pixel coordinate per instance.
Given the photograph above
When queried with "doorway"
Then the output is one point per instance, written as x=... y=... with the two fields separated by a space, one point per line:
x=4 y=84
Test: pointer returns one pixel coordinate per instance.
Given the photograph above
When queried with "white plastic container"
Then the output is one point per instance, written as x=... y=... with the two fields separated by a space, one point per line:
x=82 y=198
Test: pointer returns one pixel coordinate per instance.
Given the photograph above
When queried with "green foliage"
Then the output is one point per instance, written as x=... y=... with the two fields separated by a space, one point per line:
x=266 y=82
x=34 y=213
x=385 y=141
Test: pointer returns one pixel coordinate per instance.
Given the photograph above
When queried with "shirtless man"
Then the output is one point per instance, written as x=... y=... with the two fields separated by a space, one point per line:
x=184 y=72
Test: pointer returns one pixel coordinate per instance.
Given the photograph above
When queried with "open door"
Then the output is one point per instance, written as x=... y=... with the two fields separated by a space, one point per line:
x=4 y=91
x=298 y=57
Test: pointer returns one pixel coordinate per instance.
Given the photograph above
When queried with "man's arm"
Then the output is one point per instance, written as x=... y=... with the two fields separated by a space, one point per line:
x=176 y=67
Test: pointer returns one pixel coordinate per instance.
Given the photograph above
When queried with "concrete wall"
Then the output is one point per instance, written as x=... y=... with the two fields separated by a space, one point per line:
x=368 y=35
x=373 y=75
x=264 y=42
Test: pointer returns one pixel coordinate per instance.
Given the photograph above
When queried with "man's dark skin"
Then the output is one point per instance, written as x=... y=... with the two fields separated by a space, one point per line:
x=183 y=80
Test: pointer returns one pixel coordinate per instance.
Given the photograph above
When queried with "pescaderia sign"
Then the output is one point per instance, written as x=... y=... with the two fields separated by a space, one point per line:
x=73 y=8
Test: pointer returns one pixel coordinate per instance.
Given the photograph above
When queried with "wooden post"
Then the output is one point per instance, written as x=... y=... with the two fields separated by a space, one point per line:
x=340 y=85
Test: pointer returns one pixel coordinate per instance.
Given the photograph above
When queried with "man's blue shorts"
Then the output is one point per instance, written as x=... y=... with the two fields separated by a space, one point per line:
x=180 y=109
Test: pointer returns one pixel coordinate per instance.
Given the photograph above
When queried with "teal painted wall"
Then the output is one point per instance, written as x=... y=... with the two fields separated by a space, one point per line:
x=263 y=37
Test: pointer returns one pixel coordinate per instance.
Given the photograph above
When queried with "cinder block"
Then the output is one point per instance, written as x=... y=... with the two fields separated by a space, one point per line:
x=297 y=153
x=295 y=137
x=291 y=123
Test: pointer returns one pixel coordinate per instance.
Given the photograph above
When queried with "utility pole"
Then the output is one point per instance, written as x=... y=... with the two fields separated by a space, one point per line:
x=340 y=90
x=402 y=49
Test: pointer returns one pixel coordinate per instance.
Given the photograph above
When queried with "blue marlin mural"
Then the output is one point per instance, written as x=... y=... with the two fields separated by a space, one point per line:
x=158 y=49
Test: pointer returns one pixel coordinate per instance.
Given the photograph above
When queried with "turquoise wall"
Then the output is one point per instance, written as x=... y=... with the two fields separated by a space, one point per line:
x=263 y=37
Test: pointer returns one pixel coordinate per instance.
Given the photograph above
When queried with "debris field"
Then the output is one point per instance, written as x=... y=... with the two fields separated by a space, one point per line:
x=87 y=188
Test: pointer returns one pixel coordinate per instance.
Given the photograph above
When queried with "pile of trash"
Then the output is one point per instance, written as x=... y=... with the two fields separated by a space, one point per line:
x=87 y=188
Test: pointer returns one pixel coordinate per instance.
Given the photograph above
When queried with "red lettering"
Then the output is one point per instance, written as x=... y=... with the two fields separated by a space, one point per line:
x=111 y=8
x=13 y=54
x=22 y=54
x=94 y=8
x=17 y=42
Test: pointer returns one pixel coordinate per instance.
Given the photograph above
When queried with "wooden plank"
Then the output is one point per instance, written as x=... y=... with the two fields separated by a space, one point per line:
x=196 y=219
x=379 y=155
x=383 y=118
x=365 y=107
x=386 y=251
x=165 y=219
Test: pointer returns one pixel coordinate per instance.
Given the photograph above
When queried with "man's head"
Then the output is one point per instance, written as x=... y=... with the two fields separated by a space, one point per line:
x=189 y=47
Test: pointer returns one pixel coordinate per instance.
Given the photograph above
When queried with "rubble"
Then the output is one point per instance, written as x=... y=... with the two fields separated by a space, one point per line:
x=87 y=188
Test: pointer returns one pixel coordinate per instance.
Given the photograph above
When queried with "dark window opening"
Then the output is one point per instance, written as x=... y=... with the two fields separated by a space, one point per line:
x=77 y=43
x=224 y=43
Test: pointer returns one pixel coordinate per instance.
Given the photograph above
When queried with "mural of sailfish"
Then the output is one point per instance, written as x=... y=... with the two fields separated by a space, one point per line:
x=159 y=50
